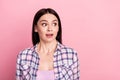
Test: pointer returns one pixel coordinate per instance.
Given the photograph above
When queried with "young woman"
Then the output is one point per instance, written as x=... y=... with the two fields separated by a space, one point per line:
x=48 y=59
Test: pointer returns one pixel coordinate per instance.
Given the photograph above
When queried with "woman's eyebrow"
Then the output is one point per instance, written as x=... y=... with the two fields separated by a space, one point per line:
x=55 y=20
x=47 y=21
x=43 y=20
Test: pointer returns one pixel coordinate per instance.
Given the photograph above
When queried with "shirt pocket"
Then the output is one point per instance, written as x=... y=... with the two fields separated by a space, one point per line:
x=26 y=71
x=66 y=73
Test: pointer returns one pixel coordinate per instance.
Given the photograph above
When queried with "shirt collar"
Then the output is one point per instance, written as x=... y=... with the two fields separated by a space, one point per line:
x=59 y=47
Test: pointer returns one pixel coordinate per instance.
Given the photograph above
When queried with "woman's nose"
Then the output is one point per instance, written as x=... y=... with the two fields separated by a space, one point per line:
x=49 y=28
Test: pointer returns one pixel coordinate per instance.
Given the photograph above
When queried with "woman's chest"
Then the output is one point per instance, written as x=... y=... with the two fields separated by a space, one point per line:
x=46 y=62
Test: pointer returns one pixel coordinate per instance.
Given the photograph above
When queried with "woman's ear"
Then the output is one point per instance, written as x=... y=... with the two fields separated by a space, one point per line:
x=35 y=28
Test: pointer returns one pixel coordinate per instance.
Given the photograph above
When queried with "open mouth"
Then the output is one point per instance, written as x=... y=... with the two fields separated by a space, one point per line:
x=49 y=35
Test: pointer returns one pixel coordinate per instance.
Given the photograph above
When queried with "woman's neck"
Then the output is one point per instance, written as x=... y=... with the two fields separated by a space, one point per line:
x=47 y=48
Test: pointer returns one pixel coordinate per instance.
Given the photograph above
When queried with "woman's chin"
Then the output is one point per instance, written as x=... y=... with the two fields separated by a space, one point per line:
x=50 y=40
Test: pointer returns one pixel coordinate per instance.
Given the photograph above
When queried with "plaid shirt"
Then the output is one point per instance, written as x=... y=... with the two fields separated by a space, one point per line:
x=66 y=64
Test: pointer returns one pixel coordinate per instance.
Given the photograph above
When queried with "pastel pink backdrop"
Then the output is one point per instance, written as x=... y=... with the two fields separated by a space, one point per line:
x=91 y=27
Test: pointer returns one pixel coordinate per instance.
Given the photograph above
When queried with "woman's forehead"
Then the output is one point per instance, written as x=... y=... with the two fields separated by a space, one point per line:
x=48 y=17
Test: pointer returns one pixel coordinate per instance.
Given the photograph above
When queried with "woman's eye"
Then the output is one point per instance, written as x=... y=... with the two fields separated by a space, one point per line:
x=54 y=24
x=44 y=24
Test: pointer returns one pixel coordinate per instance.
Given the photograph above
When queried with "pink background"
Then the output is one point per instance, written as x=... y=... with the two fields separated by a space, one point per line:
x=91 y=27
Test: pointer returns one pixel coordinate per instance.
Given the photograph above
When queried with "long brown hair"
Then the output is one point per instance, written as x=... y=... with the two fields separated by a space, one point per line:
x=41 y=12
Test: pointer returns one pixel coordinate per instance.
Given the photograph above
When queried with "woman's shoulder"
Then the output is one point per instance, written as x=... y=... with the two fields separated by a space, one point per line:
x=27 y=51
x=69 y=54
x=67 y=49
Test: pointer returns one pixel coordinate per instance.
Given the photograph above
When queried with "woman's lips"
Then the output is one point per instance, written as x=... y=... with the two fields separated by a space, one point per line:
x=49 y=35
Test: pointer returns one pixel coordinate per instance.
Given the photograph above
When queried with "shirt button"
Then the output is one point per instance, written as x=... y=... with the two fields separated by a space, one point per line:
x=56 y=77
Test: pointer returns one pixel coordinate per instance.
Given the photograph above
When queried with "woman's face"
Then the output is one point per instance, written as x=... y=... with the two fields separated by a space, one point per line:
x=47 y=27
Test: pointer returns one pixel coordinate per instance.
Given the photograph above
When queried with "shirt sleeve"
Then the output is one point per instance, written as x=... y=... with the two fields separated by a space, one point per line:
x=76 y=70
x=18 y=69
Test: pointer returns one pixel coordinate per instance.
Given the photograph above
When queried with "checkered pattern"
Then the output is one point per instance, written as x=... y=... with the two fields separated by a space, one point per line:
x=66 y=64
